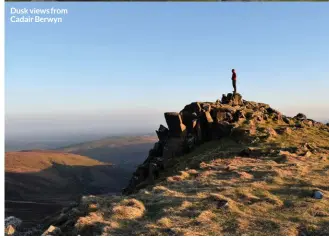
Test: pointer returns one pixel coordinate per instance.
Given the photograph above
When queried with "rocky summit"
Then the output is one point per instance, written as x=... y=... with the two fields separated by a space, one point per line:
x=230 y=167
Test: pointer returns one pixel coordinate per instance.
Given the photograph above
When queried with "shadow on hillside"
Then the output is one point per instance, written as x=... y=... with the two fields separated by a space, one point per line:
x=33 y=196
x=128 y=156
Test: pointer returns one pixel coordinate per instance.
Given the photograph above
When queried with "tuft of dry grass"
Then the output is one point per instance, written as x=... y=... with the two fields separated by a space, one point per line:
x=129 y=209
x=165 y=222
x=206 y=217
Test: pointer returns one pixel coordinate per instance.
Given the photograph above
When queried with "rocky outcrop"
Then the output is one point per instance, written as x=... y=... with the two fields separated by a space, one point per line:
x=197 y=123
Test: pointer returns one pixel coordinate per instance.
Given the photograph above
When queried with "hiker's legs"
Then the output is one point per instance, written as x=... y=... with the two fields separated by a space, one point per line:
x=234 y=85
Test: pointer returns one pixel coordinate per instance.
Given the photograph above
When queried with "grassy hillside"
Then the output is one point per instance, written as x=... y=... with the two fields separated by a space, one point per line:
x=38 y=183
x=122 y=151
x=38 y=160
x=257 y=183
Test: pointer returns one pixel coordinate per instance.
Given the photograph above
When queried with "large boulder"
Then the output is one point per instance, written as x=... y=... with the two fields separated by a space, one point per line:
x=194 y=107
x=238 y=115
x=286 y=119
x=189 y=120
x=232 y=99
x=162 y=133
x=175 y=124
x=206 y=107
x=222 y=114
x=300 y=116
x=206 y=122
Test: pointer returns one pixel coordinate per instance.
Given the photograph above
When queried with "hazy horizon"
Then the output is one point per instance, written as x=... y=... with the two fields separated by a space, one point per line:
x=129 y=64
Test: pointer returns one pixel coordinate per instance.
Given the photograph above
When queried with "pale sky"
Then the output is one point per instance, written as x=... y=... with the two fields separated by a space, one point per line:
x=117 y=66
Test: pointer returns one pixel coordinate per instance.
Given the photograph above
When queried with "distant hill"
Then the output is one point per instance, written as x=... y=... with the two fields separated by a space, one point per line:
x=122 y=151
x=38 y=183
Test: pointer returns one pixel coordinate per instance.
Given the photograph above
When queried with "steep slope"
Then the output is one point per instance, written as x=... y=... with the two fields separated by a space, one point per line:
x=39 y=183
x=233 y=167
x=122 y=151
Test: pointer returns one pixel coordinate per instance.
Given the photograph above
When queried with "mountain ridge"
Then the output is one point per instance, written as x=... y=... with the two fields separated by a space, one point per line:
x=230 y=167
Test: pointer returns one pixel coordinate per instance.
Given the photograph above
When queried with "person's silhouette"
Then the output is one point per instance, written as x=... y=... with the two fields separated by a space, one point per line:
x=234 y=80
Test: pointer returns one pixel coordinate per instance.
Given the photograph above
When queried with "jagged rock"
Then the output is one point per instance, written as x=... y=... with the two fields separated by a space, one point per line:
x=286 y=119
x=239 y=115
x=52 y=231
x=223 y=114
x=175 y=124
x=189 y=120
x=206 y=122
x=317 y=194
x=271 y=111
x=194 y=107
x=300 y=116
x=232 y=99
x=206 y=107
x=162 y=133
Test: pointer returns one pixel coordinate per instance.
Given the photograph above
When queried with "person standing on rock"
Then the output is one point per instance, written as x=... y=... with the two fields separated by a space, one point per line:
x=234 y=80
